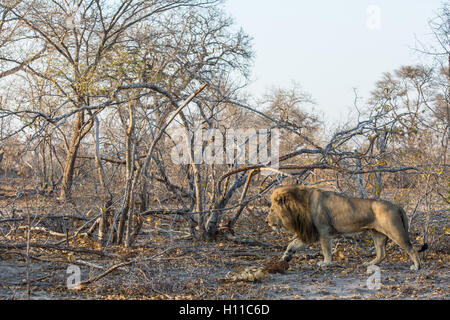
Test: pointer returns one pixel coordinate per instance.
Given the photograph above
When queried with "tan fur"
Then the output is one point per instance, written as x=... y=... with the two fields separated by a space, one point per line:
x=316 y=215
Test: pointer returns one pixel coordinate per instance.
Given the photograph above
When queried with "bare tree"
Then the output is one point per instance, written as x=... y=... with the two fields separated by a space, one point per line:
x=82 y=38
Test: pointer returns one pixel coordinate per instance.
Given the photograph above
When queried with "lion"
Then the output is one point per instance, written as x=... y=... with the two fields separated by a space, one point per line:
x=314 y=215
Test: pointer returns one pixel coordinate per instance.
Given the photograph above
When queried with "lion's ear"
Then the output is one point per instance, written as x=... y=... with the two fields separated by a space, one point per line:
x=302 y=196
x=277 y=200
x=280 y=199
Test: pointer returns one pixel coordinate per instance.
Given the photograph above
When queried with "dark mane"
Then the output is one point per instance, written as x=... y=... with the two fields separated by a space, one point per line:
x=294 y=204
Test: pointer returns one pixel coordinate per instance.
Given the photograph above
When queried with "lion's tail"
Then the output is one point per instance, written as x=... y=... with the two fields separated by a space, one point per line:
x=423 y=248
x=405 y=224
x=404 y=219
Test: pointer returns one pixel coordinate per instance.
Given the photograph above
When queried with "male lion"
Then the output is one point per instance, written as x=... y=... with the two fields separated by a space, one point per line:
x=316 y=215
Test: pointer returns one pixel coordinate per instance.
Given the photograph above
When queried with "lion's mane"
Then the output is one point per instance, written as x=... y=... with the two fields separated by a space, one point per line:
x=292 y=205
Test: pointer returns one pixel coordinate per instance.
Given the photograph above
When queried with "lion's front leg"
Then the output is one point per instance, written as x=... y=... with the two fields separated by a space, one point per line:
x=295 y=245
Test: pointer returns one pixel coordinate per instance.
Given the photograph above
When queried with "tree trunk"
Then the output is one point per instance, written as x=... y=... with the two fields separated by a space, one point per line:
x=127 y=206
x=81 y=128
x=105 y=219
x=71 y=157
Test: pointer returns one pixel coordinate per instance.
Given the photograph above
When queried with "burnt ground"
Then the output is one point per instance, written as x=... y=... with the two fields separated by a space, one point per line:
x=164 y=264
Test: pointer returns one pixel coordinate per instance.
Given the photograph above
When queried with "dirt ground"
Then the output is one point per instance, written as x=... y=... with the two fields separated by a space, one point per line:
x=164 y=264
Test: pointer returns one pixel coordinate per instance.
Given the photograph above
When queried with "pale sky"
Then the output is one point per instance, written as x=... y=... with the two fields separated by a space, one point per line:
x=330 y=47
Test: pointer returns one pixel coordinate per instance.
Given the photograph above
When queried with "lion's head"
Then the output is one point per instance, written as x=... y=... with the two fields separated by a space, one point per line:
x=290 y=209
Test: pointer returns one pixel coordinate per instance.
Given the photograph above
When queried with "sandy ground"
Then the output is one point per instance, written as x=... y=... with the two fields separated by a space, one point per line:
x=164 y=264
x=196 y=271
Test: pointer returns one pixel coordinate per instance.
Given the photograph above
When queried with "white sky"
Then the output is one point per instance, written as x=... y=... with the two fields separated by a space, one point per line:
x=327 y=47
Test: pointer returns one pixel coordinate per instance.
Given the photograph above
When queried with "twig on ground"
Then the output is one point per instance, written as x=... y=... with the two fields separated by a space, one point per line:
x=55 y=247
x=126 y=263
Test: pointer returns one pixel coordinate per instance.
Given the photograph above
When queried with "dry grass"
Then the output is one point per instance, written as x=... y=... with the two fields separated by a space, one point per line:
x=164 y=264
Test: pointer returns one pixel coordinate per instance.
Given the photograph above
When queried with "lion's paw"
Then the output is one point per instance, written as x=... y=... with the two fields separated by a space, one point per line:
x=324 y=264
x=414 y=268
x=369 y=263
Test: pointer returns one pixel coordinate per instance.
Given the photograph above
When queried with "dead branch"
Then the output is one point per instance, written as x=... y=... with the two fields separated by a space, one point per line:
x=41 y=229
x=122 y=264
x=55 y=247
x=34 y=217
x=311 y=167
x=243 y=195
x=89 y=281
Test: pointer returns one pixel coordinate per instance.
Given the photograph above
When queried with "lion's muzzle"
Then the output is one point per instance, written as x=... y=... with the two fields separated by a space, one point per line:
x=274 y=222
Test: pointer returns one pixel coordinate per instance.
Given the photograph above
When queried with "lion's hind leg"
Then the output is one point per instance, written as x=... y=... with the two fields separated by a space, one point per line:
x=379 y=240
x=402 y=239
